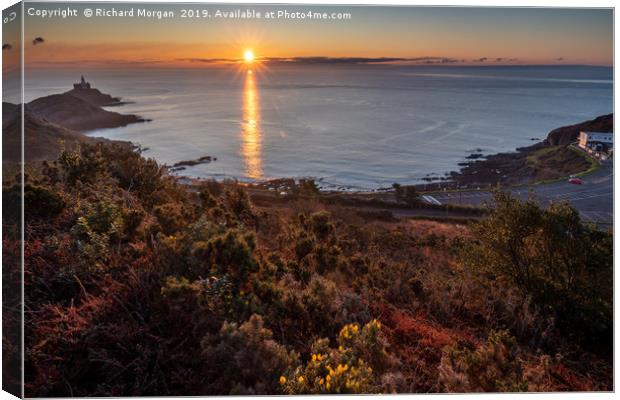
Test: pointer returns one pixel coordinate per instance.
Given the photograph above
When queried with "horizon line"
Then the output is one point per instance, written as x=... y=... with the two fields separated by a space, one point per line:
x=197 y=63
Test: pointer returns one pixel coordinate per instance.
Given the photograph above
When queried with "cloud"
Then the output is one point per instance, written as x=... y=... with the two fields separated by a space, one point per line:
x=111 y=62
x=439 y=60
x=7 y=46
x=37 y=40
x=313 y=60
x=360 y=60
x=333 y=60
x=209 y=60
x=559 y=59
x=301 y=60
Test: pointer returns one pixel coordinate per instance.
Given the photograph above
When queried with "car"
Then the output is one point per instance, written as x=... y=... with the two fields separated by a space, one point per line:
x=575 y=181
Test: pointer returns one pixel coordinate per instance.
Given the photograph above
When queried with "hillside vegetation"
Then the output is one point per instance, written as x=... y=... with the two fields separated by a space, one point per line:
x=135 y=285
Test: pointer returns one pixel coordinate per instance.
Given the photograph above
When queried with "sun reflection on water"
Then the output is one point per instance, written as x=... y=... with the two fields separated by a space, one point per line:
x=251 y=135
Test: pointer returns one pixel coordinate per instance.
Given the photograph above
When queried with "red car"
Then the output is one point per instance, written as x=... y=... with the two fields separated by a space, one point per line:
x=575 y=181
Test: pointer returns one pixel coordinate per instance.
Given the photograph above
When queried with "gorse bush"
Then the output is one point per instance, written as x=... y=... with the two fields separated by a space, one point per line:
x=244 y=359
x=342 y=370
x=39 y=201
x=492 y=367
x=100 y=225
x=84 y=164
x=548 y=254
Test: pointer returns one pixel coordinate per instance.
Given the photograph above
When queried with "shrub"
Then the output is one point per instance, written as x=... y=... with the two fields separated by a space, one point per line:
x=550 y=255
x=342 y=370
x=232 y=253
x=99 y=225
x=306 y=187
x=244 y=359
x=407 y=194
x=303 y=245
x=85 y=163
x=492 y=367
x=39 y=202
x=320 y=225
x=238 y=203
x=136 y=174
x=182 y=294
x=172 y=217
x=207 y=200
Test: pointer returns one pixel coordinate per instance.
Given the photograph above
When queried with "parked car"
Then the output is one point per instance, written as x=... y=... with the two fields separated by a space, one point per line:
x=575 y=181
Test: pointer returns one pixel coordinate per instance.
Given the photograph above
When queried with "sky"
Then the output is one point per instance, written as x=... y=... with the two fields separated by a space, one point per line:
x=373 y=34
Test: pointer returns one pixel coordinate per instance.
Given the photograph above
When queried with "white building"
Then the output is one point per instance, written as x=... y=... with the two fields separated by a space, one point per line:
x=598 y=141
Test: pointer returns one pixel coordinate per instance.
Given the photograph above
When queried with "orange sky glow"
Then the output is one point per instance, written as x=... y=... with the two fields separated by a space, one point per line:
x=407 y=34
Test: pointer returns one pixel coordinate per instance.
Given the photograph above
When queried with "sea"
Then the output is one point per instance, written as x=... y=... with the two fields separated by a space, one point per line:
x=349 y=127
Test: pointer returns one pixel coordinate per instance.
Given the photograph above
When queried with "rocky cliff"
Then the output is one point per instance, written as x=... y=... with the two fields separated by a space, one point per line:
x=570 y=133
x=78 y=114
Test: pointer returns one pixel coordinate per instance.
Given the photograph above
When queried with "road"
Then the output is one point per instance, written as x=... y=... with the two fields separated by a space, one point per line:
x=593 y=199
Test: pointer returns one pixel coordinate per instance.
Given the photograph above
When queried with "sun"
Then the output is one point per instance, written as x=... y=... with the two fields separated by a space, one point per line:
x=248 y=56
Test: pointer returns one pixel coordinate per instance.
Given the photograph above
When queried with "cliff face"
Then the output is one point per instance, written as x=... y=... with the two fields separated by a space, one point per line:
x=78 y=114
x=568 y=134
x=42 y=138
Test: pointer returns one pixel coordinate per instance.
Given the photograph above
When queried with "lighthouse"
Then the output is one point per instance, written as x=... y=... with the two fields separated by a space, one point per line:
x=82 y=84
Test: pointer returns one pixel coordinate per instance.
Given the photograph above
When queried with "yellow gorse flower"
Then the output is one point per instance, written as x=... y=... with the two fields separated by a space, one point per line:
x=349 y=331
x=282 y=380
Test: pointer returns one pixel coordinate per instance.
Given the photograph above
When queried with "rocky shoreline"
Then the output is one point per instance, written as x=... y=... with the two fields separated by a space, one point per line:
x=548 y=159
x=182 y=165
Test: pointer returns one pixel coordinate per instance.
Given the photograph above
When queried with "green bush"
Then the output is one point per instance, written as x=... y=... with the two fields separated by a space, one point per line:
x=172 y=217
x=492 y=367
x=85 y=163
x=551 y=256
x=99 y=225
x=342 y=370
x=39 y=202
x=232 y=254
x=244 y=359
